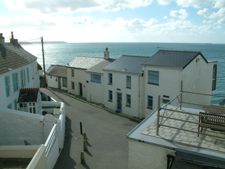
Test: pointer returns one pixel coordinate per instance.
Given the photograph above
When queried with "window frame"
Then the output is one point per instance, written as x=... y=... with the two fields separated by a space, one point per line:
x=110 y=78
x=96 y=78
x=7 y=86
x=28 y=76
x=128 y=82
x=72 y=85
x=150 y=100
x=128 y=100
x=72 y=72
x=110 y=96
x=153 y=77
x=64 y=82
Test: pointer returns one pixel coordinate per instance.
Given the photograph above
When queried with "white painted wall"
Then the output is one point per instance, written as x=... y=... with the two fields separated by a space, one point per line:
x=94 y=91
x=196 y=77
x=52 y=81
x=79 y=77
x=33 y=83
x=169 y=85
x=142 y=156
x=119 y=82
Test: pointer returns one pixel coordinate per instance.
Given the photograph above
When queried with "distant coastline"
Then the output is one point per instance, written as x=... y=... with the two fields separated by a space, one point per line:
x=52 y=42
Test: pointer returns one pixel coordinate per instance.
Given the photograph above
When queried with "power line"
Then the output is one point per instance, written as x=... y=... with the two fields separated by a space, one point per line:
x=29 y=40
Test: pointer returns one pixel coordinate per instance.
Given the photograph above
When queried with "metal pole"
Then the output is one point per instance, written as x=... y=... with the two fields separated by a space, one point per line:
x=181 y=90
x=81 y=130
x=158 y=114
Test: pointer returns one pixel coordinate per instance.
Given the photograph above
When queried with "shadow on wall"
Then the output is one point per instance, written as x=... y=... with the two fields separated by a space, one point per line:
x=64 y=160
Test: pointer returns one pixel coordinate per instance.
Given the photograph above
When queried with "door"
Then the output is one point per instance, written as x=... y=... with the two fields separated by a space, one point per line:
x=59 y=82
x=81 y=91
x=119 y=102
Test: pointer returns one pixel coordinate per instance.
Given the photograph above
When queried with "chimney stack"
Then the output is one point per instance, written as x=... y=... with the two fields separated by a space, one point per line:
x=12 y=40
x=106 y=54
x=2 y=39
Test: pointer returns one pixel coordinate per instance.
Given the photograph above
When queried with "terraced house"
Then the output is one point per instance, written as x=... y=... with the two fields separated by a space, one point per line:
x=18 y=69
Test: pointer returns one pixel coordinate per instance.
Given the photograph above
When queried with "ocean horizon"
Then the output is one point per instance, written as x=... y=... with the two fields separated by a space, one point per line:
x=64 y=53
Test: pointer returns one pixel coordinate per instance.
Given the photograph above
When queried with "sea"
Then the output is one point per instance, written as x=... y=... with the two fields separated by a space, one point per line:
x=64 y=53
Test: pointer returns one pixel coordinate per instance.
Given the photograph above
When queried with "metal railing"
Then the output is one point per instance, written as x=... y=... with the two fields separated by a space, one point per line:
x=162 y=118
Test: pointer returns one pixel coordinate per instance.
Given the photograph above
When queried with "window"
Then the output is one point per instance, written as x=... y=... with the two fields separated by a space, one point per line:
x=64 y=81
x=153 y=77
x=214 y=77
x=22 y=78
x=72 y=72
x=9 y=106
x=15 y=104
x=129 y=82
x=15 y=82
x=128 y=100
x=72 y=84
x=95 y=78
x=110 y=78
x=150 y=102
x=110 y=96
x=28 y=77
x=32 y=108
x=7 y=86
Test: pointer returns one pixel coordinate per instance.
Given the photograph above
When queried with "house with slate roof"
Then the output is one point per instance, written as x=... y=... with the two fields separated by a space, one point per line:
x=57 y=77
x=18 y=69
x=76 y=72
x=95 y=82
x=122 y=84
x=165 y=70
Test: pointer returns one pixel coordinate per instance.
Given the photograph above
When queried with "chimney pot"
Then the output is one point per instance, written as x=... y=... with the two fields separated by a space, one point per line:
x=2 y=39
x=106 y=54
x=12 y=40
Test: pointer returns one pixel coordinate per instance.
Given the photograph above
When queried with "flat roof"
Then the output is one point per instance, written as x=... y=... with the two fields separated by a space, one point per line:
x=182 y=141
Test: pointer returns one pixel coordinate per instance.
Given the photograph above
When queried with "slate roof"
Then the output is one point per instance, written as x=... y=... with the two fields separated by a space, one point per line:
x=127 y=63
x=28 y=95
x=57 y=70
x=99 y=67
x=10 y=60
x=171 y=58
x=85 y=62
x=17 y=48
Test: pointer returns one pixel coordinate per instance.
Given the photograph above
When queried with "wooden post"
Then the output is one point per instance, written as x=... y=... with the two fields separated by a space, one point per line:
x=85 y=137
x=157 y=127
x=85 y=145
x=82 y=159
x=43 y=56
x=181 y=90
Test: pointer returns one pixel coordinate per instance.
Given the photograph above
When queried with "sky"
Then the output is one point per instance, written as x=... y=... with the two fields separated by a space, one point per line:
x=185 y=21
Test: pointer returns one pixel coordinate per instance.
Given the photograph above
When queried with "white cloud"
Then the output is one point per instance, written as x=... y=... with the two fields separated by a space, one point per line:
x=70 y=6
x=194 y=3
x=219 y=14
x=204 y=12
x=205 y=21
x=165 y=17
x=182 y=14
x=165 y=2
x=221 y=21
x=219 y=4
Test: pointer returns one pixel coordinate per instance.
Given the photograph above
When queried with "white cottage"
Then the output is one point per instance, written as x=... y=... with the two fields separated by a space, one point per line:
x=163 y=74
x=95 y=82
x=76 y=72
x=18 y=69
x=57 y=77
x=122 y=80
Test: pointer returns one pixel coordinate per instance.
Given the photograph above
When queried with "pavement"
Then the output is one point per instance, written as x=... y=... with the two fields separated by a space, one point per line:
x=106 y=132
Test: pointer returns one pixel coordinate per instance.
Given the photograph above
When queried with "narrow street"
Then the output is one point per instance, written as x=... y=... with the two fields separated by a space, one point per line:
x=106 y=133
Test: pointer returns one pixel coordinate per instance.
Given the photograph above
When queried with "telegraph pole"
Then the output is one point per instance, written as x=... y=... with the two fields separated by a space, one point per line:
x=42 y=45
